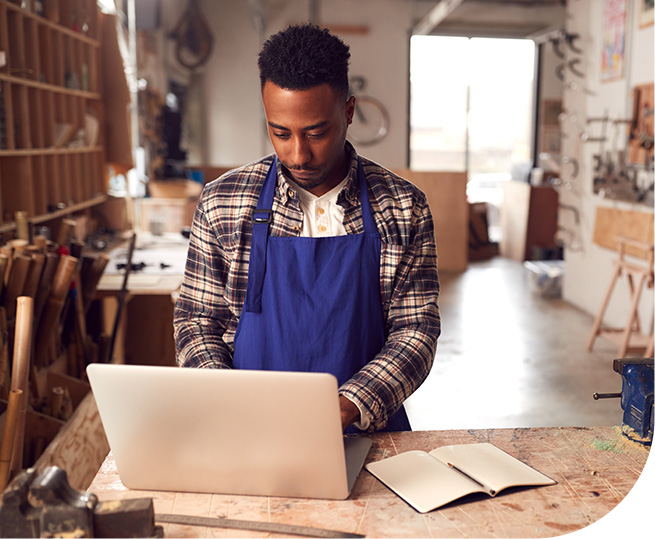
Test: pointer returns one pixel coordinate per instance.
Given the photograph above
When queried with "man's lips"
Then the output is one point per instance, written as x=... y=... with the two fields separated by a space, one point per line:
x=304 y=173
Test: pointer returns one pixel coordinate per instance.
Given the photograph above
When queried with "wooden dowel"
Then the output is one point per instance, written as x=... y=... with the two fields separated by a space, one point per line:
x=20 y=268
x=20 y=369
x=22 y=225
x=65 y=232
x=4 y=260
x=4 y=355
x=55 y=303
x=41 y=242
x=49 y=269
x=9 y=435
x=63 y=276
x=34 y=275
x=56 y=401
x=18 y=245
x=7 y=251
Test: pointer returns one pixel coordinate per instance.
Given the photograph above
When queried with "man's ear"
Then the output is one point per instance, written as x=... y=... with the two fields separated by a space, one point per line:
x=350 y=108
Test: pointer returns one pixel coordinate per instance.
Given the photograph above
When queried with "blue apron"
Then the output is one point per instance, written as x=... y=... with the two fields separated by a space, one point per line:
x=312 y=304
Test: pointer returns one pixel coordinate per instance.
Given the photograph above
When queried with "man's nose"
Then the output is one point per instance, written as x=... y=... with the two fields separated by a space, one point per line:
x=301 y=154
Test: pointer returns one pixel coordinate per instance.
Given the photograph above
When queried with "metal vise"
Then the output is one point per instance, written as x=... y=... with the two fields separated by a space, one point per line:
x=45 y=505
x=636 y=398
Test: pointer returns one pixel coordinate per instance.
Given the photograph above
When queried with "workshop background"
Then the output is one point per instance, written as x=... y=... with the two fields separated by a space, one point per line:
x=527 y=208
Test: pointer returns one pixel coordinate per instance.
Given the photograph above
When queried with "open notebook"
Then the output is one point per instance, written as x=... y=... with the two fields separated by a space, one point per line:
x=429 y=480
x=227 y=431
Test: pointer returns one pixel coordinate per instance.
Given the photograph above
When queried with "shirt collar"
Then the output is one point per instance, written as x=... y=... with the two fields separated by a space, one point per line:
x=349 y=194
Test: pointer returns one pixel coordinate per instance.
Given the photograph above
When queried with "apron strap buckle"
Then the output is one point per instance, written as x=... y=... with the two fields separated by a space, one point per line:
x=263 y=216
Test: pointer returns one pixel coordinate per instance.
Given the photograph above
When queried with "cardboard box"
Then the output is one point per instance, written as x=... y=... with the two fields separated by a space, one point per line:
x=174 y=188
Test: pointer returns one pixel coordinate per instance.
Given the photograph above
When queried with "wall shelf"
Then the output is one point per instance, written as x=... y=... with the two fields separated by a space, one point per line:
x=51 y=111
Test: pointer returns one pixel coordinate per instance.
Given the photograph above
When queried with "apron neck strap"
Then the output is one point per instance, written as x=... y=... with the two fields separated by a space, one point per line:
x=263 y=214
x=262 y=218
x=367 y=214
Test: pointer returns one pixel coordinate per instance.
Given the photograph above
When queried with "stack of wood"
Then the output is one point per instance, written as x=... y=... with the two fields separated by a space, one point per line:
x=46 y=289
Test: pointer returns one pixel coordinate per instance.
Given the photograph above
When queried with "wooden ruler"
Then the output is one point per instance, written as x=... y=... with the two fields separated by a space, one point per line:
x=274 y=527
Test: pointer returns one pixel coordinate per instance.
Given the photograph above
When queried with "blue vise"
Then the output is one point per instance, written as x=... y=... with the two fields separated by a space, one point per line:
x=637 y=398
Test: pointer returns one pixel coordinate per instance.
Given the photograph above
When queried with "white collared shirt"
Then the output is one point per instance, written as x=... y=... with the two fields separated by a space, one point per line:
x=323 y=217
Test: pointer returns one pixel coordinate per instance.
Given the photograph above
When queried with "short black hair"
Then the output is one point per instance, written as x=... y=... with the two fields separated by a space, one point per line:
x=304 y=56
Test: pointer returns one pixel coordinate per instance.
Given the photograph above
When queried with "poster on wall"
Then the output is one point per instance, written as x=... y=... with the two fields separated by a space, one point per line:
x=613 y=40
x=646 y=13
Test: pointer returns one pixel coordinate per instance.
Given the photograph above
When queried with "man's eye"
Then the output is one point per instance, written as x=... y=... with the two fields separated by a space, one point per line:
x=316 y=135
x=281 y=135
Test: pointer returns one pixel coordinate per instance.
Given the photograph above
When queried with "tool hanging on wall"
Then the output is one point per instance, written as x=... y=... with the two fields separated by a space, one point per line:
x=567 y=38
x=614 y=177
x=193 y=37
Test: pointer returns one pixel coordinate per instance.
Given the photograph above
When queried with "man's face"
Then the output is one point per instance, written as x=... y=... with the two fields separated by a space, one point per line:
x=308 y=131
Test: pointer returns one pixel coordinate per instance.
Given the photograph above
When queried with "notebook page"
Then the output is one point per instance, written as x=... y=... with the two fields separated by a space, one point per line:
x=422 y=481
x=490 y=465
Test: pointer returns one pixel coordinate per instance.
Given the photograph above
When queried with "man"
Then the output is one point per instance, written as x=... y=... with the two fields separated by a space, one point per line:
x=314 y=259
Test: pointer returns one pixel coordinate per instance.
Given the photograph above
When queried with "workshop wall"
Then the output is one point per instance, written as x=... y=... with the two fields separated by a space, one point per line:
x=377 y=32
x=589 y=266
x=232 y=130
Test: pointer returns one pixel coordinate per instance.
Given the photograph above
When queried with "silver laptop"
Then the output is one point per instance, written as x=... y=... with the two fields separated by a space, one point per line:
x=227 y=431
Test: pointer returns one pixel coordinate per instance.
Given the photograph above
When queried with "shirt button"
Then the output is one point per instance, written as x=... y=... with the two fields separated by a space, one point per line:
x=320 y=211
x=291 y=193
x=296 y=228
x=322 y=228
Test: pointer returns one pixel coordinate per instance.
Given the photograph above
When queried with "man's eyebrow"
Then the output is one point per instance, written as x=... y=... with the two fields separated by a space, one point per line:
x=308 y=128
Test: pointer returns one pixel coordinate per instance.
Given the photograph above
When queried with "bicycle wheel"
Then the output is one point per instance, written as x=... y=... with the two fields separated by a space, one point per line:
x=370 y=121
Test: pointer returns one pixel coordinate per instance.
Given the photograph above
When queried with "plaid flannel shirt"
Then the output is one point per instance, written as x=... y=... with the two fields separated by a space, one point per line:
x=214 y=286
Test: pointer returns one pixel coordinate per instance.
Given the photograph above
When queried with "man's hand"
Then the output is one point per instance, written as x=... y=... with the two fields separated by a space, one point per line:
x=349 y=412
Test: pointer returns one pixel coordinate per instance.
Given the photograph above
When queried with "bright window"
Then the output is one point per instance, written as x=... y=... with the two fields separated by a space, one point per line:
x=471 y=110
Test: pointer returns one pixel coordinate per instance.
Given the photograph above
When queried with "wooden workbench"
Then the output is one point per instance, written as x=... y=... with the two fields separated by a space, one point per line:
x=594 y=468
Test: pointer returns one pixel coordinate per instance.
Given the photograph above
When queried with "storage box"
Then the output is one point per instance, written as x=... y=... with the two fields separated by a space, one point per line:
x=547 y=277
x=174 y=188
x=173 y=213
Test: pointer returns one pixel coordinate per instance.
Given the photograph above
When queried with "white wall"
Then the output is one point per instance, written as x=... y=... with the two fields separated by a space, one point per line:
x=235 y=130
x=588 y=266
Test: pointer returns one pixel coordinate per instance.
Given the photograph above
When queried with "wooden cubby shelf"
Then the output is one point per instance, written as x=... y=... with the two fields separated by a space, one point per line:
x=51 y=113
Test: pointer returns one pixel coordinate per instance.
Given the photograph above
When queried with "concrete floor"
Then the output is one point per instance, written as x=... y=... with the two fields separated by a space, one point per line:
x=509 y=358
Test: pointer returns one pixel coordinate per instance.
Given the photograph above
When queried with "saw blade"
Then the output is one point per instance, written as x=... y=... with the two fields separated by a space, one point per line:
x=273 y=527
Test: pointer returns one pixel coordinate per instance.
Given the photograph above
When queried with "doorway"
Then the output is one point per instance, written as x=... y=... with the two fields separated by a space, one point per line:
x=471 y=109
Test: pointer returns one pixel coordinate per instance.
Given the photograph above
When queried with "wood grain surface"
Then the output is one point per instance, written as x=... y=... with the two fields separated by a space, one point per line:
x=594 y=468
